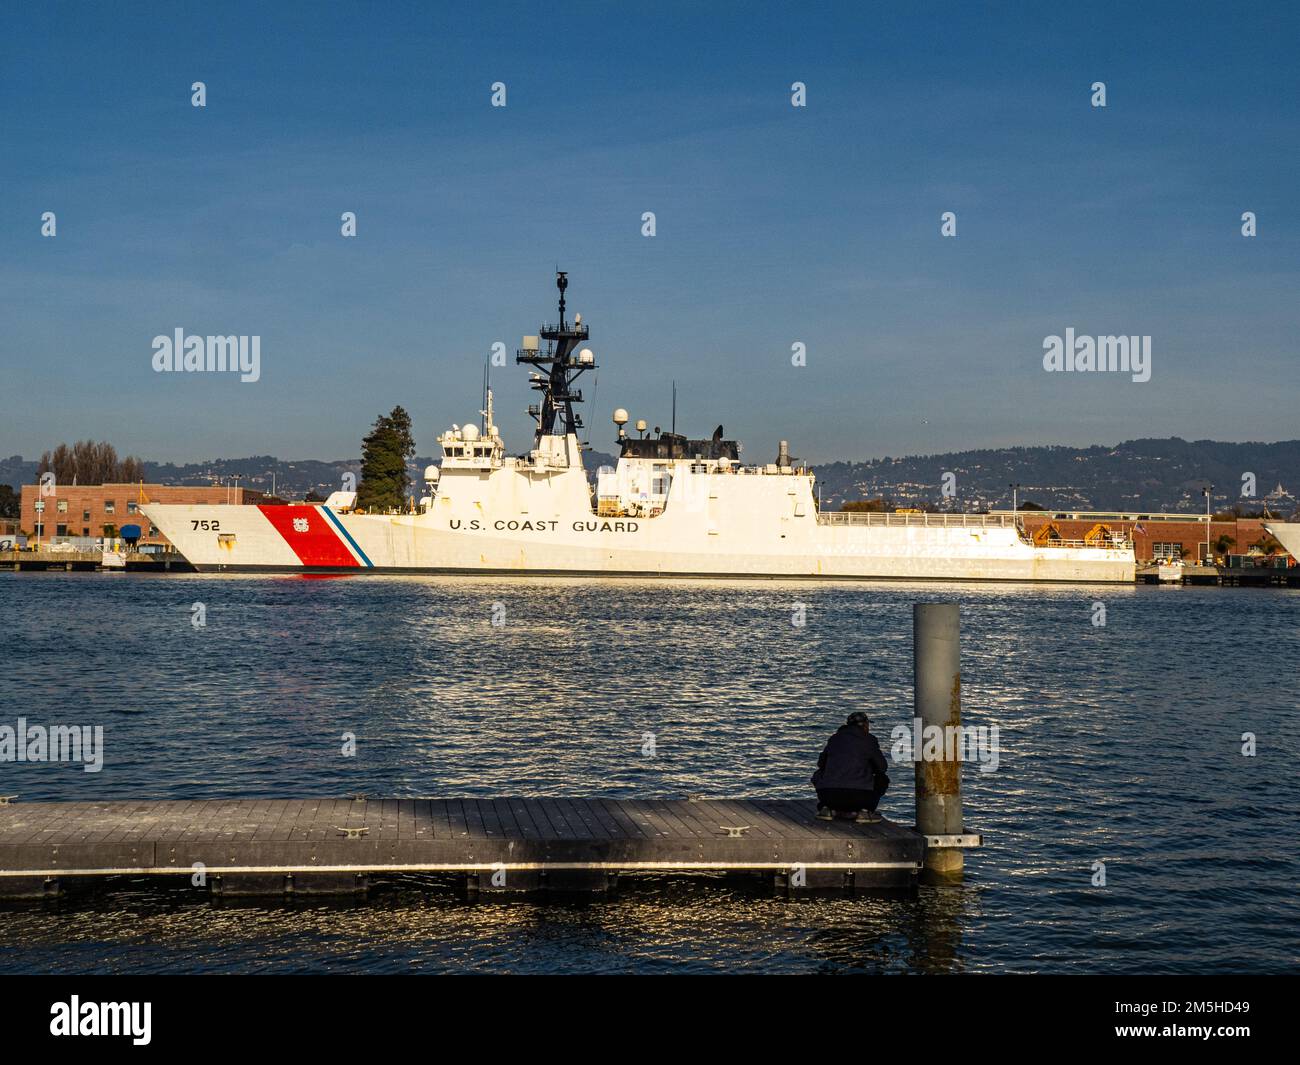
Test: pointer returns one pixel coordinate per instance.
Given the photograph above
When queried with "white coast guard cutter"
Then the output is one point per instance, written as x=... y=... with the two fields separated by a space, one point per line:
x=675 y=506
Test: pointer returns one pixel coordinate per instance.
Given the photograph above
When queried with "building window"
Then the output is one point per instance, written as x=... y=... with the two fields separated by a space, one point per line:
x=85 y=532
x=60 y=530
x=110 y=507
x=85 y=515
x=132 y=508
x=63 y=506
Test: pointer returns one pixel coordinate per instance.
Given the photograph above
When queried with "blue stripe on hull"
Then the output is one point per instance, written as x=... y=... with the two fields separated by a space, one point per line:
x=333 y=520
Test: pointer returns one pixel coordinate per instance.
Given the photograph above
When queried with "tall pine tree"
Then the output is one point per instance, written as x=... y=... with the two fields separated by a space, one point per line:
x=384 y=452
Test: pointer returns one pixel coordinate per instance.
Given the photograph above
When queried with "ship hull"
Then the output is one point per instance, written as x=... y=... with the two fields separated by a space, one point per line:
x=1287 y=533
x=318 y=540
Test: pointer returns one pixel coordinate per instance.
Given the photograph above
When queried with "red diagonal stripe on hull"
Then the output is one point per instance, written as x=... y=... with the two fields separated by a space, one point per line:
x=318 y=544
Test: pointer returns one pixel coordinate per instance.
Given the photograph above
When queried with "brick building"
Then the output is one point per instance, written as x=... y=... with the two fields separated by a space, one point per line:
x=102 y=509
x=1153 y=535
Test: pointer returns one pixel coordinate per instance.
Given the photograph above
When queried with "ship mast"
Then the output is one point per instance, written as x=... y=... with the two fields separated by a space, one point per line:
x=559 y=366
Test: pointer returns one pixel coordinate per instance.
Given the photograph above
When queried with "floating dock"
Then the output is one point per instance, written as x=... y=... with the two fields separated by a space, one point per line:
x=329 y=845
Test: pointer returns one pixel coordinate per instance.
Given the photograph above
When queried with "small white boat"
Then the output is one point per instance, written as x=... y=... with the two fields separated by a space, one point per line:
x=1170 y=570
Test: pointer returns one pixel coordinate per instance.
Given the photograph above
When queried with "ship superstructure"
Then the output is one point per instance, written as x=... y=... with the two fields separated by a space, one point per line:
x=673 y=507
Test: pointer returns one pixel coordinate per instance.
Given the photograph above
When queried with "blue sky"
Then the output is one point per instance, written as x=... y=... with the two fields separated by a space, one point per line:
x=775 y=224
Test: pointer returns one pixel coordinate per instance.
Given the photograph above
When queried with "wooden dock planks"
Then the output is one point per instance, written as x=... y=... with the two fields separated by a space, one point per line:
x=294 y=838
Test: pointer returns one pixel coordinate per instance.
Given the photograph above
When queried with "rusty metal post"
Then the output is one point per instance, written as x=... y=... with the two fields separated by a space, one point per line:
x=936 y=664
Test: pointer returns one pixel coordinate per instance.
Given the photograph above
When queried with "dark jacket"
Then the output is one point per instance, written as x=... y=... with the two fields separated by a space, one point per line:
x=852 y=759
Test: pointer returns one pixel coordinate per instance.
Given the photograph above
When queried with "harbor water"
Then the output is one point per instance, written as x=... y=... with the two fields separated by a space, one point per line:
x=1125 y=829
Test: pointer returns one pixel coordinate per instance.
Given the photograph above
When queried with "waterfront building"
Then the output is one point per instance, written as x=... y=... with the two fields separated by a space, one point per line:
x=1154 y=535
x=100 y=510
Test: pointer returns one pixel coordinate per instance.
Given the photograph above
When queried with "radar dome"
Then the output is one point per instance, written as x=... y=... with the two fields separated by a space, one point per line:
x=470 y=432
x=587 y=357
x=432 y=473
x=620 y=416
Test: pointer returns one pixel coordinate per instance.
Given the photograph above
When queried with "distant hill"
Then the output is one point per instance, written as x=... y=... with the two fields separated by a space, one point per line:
x=291 y=480
x=1151 y=475
x=258 y=471
x=17 y=471
x=1135 y=475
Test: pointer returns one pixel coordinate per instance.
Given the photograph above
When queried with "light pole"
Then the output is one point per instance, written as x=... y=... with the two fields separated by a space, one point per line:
x=1015 y=489
x=1209 y=560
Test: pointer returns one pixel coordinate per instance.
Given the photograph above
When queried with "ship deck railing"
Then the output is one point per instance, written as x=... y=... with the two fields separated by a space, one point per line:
x=568 y=329
x=944 y=520
x=1117 y=545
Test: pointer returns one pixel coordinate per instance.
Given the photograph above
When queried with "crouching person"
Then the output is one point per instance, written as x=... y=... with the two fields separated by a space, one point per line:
x=851 y=777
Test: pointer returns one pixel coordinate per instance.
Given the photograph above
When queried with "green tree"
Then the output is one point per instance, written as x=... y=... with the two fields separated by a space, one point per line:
x=87 y=462
x=1267 y=545
x=10 y=502
x=384 y=452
